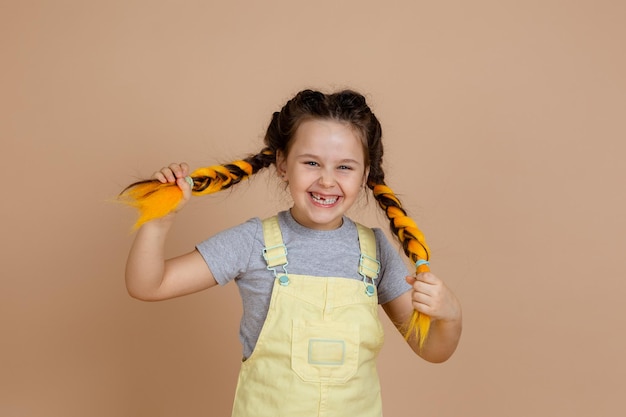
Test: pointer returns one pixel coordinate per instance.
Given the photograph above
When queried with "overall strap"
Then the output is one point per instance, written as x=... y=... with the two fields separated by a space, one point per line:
x=369 y=267
x=368 y=264
x=275 y=251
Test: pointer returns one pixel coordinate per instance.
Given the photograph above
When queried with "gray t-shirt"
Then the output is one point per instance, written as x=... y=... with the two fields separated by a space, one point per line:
x=237 y=253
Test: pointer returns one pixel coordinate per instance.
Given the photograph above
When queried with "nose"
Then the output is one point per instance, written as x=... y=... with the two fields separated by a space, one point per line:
x=327 y=178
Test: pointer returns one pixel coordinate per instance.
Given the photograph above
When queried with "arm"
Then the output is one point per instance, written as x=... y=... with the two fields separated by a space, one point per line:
x=432 y=297
x=149 y=276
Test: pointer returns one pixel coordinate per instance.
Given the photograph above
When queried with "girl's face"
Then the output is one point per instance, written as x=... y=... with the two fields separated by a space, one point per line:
x=325 y=170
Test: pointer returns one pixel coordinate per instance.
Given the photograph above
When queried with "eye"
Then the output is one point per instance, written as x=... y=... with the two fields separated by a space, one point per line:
x=345 y=167
x=311 y=163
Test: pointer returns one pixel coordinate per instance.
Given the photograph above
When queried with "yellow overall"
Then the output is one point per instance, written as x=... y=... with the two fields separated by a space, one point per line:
x=316 y=354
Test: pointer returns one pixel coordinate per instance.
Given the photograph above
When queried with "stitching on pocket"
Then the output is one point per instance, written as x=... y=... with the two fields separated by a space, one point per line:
x=325 y=351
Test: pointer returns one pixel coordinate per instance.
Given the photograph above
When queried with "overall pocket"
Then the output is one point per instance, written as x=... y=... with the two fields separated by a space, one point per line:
x=324 y=351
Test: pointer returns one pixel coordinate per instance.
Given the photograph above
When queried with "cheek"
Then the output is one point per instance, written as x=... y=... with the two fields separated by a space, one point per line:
x=354 y=184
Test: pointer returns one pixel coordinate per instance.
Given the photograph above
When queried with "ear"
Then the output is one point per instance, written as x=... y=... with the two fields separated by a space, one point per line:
x=281 y=165
x=366 y=175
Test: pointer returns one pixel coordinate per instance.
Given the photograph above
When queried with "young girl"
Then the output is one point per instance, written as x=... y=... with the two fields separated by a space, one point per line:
x=310 y=278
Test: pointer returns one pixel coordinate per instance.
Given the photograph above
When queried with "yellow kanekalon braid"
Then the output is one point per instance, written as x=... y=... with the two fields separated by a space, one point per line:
x=154 y=199
x=415 y=247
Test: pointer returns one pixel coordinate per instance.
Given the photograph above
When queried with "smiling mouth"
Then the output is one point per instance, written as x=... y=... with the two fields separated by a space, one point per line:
x=324 y=201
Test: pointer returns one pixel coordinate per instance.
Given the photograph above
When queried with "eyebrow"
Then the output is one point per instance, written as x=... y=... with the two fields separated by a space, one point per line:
x=312 y=156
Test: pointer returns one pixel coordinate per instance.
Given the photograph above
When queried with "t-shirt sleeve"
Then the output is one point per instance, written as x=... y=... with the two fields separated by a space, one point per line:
x=227 y=253
x=393 y=269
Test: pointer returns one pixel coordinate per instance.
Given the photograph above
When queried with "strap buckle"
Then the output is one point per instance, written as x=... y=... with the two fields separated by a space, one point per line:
x=276 y=256
x=369 y=268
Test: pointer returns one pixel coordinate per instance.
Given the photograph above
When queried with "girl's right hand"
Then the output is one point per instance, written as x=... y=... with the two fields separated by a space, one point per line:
x=149 y=275
x=176 y=173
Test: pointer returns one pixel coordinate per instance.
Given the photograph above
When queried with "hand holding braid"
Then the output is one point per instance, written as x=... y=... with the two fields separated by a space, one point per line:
x=155 y=199
x=414 y=245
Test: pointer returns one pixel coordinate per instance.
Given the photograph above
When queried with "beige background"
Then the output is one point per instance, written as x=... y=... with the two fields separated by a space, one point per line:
x=505 y=130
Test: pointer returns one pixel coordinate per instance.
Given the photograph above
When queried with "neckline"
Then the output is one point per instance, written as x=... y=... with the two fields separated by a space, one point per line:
x=290 y=222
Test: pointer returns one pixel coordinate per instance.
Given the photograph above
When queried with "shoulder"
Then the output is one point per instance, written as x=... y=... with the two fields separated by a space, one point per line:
x=230 y=252
x=383 y=244
x=381 y=237
x=252 y=224
x=245 y=231
x=386 y=249
x=389 y=251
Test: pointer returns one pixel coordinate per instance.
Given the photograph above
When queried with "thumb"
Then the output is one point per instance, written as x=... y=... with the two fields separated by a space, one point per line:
x=185 y=187
x=410 y=279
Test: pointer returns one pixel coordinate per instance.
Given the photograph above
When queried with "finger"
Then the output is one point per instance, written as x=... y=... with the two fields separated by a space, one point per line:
x=178 y=170
x=420 y=297
x=160 y=176
x=421 y=287
x=185 y=168
x=185 y=188
x=427 y=277
x=421 y=303
x=165 y=175
x=419 y=283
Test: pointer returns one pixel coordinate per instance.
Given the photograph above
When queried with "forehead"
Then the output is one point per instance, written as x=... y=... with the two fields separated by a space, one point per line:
x=325 y=135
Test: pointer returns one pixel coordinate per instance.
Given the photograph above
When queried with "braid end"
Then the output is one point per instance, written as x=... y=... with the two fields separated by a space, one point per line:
x=152 y=199
x=418 y=328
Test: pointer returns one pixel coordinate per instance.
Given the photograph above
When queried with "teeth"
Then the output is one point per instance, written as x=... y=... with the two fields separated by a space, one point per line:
x=324 y=200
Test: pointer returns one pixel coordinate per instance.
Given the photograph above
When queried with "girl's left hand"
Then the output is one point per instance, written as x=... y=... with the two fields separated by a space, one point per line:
x=432 y=297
